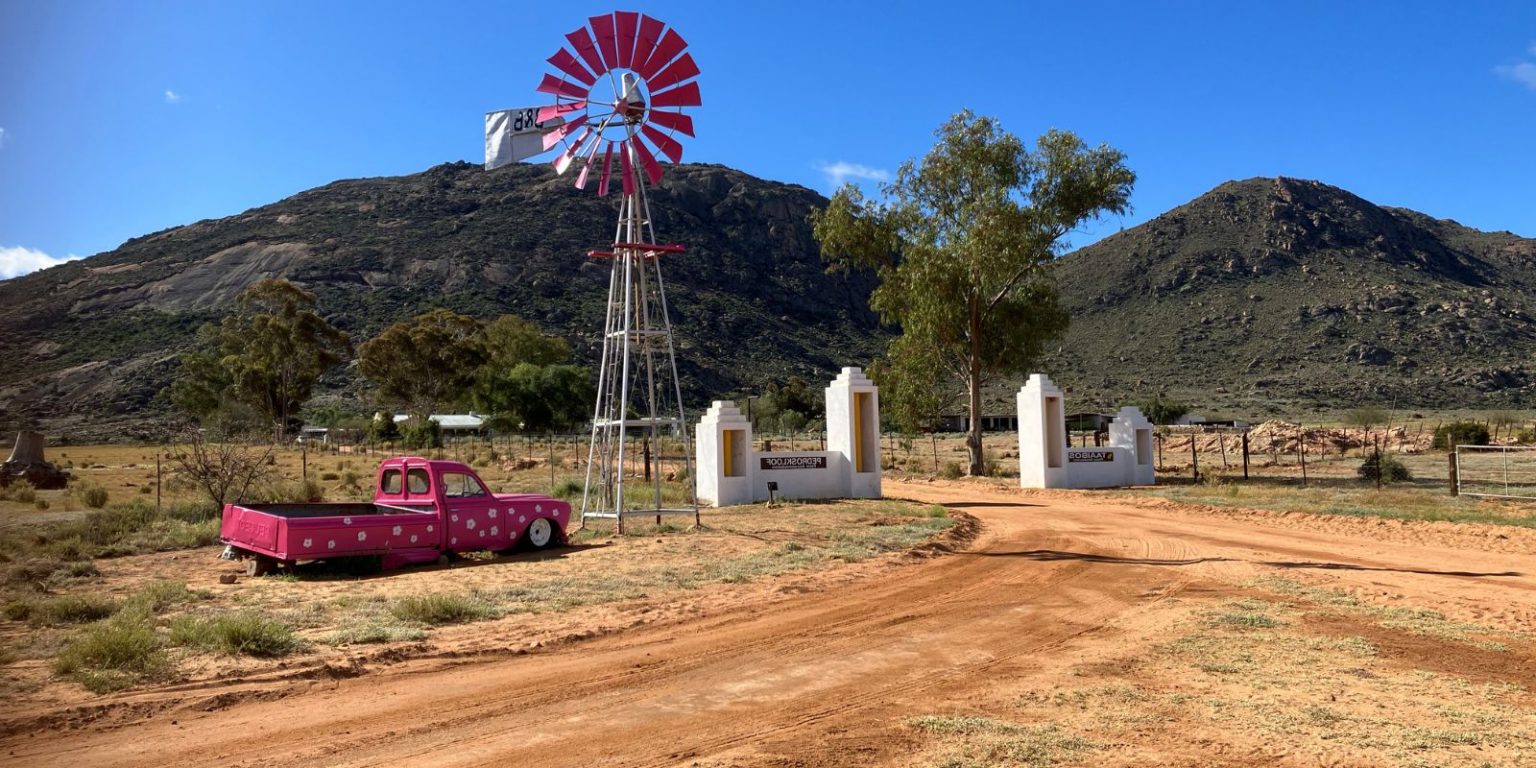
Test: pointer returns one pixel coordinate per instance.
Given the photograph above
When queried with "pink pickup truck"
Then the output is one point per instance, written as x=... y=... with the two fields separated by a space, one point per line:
x=422 y=510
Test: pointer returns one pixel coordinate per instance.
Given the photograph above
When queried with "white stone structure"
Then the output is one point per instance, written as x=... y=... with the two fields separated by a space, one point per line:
x=731 y=472
x=1046 y=460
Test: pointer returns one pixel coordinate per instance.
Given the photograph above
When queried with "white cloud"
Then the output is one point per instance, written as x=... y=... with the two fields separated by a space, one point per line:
x=2 y=137
x=841 y=171
x=18 y=261
x=1523 y=73
x=172 y=97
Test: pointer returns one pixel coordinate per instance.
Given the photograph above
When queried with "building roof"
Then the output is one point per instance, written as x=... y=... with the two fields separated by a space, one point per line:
x=450 y=420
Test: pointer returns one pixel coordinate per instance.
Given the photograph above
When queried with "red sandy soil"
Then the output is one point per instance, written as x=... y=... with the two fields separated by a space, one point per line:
x=827 y=669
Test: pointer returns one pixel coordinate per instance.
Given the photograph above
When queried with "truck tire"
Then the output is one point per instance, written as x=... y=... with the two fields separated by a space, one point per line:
x=541 y=533
x=260 y=565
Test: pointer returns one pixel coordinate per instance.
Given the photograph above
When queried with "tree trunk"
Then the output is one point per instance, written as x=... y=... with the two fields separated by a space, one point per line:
x=973 y=383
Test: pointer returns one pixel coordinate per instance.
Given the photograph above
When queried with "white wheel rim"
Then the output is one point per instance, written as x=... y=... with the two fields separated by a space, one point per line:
x=539 y=532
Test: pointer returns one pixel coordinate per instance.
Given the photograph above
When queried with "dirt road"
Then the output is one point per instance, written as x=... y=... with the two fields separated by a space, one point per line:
x=1056 y=585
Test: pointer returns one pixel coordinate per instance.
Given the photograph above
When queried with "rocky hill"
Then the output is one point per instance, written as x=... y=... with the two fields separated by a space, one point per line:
x=1260 y=297
x=89 y=344
x=1271 y=296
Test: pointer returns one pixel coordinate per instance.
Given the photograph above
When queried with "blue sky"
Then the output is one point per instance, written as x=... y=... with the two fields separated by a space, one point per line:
x=118 y=119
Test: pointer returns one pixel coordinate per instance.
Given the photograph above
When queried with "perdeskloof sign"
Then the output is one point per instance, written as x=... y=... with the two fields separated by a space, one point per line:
x=1091 y=456
x=792 y=462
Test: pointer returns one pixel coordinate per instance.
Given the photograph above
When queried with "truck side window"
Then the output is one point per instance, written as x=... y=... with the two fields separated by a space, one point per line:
x=416 y=480
x=390 y=483
x=457 y=484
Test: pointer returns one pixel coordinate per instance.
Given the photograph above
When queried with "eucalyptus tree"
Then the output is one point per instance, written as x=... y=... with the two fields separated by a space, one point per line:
x=962 y=241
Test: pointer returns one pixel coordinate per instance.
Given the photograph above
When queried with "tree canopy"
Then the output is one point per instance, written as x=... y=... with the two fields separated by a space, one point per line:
x=961 y=242
x=427 y=362
x=267 y=357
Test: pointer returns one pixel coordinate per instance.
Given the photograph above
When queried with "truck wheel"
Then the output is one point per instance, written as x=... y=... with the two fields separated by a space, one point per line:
x=260 y=565
x=541 y=533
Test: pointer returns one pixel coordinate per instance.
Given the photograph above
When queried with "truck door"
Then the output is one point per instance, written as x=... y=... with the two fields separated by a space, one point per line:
x=475 y=519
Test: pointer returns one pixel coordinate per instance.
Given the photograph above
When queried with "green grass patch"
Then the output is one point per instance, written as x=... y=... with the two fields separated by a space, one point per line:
x=247 y=632
x=114 y=654
x=439 y=608
x=374 y=630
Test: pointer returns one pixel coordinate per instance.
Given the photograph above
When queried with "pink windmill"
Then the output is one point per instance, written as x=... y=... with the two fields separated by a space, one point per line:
x=620 y=91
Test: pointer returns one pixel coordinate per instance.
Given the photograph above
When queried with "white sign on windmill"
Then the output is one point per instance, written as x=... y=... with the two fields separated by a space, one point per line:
x=514 y=135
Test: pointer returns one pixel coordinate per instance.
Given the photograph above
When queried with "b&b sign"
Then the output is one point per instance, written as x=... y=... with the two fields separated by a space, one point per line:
x=1091 y=456
x=792 y=462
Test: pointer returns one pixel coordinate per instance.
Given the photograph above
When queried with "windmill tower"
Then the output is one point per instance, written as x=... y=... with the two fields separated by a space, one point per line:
x=621 y=93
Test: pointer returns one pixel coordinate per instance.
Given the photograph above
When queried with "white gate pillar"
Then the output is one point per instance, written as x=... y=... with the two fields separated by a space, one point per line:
x=1132 y=431
x=1042 y=434
x=853 y=430
x=723 y=454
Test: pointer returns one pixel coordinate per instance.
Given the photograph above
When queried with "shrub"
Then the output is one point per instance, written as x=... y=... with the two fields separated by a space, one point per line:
x=1390 y=469
x=160 y=595
x=568 y=490
x=329 y=476
x=40 y=503
x=245 y=632
x=114 y=654
x=66 y=609
x=93 y=496
x=194 y=511
x=418 y=434
x=23 y=492
x=439 y=608
x=1459 y=433
x=952 y=470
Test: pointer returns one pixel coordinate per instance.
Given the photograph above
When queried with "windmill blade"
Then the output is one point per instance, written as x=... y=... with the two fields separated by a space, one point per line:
x=648 y=161
x=627 y=22
x=564 y=160
x=685 y=95
x=675 y=121
x=554 y=137
x=650 y=33
x=670 y=46
x=666 y=144
x=581 y=41
x=680 y=70
x=629 y=171
x=556 y=86
x=586 y=168
x=602 y=29
x=602 y=181
x=556 y=110
x=569 y=65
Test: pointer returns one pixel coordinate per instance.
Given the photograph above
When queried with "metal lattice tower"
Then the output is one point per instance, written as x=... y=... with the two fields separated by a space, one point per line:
x=638 y=391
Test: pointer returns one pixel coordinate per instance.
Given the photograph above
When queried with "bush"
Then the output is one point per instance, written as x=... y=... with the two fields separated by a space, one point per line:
x=1459 y=433
x=329 y=476
x=245 y=632
x=23 y=492
x=114 y=654
x=93 y=496
x=1390 y=469
x=66 y=609
x=194 y=511
x=952 y=470
x=420 y=435
x=440 y=608
x=40 y=503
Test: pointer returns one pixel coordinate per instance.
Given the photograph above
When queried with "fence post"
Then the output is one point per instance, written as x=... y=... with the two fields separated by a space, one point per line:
x=1245 y=454
x=1455 y=484
x=1377 y=446
x=1301 y=447
x=1194 y=455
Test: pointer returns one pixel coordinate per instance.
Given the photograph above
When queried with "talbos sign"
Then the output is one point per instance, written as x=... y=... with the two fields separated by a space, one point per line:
x=1091 y=456
x=792 y=462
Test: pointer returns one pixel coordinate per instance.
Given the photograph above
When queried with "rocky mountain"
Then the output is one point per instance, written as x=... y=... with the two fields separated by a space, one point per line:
x=89 y=344
x=1275 y=296
x=1260 y=297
